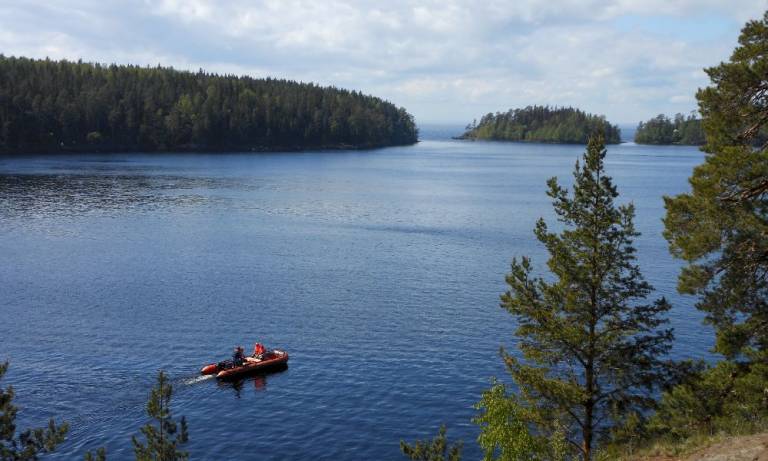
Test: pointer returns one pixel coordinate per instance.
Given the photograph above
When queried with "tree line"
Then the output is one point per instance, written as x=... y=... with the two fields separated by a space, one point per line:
x=53 y=106
x=592 y=378
x=664 y=130
x=542 y=124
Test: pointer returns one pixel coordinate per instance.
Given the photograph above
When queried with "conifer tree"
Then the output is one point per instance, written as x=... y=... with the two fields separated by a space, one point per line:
x=163 y=441
x=30 y=443
x=720 y=228
x=436 y=449
x=98 y=455
x=591 y=346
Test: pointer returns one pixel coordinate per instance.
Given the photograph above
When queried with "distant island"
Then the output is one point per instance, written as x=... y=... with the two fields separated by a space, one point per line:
x=62 y=106
x=564 y=125
x=664 y=130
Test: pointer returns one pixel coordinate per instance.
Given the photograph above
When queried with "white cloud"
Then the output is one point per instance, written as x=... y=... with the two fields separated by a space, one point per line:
x=443 y=60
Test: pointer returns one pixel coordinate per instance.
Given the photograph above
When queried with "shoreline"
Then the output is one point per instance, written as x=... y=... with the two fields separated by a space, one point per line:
x=203 y=149
x=532 y=141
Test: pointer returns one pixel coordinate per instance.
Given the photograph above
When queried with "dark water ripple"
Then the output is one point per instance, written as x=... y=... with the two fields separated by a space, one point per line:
x=379 y=271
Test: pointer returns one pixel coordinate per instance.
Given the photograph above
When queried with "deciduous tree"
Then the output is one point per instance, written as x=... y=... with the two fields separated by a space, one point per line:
x=505 y=433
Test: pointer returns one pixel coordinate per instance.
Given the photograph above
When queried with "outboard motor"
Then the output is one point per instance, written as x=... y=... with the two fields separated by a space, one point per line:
x=211 y=369
x=214 y=368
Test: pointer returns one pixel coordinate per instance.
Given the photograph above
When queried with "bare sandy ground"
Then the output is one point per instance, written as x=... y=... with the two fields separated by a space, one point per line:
x=744 y=448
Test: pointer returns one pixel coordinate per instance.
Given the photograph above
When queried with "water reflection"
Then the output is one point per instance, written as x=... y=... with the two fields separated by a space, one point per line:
x=258 y=381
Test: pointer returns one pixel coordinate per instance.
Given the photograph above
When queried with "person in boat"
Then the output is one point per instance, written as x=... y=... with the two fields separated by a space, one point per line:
x=238 y=357
x=258 y=353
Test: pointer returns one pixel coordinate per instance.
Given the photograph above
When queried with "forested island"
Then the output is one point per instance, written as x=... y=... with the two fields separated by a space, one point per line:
x=664 y=130
x=62 y=106
x=564 y=125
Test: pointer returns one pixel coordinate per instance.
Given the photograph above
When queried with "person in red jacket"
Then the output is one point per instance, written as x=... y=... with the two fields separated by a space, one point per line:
x=258 y=353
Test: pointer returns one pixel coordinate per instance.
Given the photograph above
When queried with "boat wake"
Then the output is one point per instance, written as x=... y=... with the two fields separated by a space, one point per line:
x=198 y=379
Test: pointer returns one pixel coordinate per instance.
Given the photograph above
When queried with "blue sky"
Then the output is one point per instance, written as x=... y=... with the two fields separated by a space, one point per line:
x=445 y=61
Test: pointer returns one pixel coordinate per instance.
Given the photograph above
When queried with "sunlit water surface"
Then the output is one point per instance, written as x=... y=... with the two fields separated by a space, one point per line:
x=379 y=271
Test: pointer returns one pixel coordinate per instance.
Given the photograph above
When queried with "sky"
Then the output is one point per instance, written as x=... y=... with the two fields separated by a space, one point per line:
x=446 y=61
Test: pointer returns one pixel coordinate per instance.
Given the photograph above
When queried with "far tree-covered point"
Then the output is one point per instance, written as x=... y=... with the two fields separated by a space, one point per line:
x=564 y=125
x=53 y=106
x=664 y=130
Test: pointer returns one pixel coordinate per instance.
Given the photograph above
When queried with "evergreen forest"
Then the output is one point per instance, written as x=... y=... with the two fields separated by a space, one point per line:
x=564 y=125
x=664 y=130
x=54 y=106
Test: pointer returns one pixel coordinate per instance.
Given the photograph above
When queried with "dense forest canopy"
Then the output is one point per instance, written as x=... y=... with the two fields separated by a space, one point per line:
x=663 y=130
x=543 y=124
x=49 y=106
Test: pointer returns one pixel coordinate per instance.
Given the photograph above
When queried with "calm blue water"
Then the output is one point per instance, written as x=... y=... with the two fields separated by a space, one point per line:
x=379 y=271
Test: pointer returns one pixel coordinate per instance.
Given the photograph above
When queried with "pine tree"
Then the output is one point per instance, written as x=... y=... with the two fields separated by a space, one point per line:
x=99 y=455
x=591 y=348
x=27 y=445
x=164 y=440
x=721 y=228
x=436 y=449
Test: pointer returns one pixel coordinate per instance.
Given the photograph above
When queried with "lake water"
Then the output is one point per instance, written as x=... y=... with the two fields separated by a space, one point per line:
x=379 y=271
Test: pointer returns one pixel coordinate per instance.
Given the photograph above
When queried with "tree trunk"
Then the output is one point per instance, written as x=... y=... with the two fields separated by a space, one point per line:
x=588 y=418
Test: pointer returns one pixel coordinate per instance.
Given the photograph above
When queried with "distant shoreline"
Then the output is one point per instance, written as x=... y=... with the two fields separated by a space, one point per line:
x=532 y=141
x=200 y=149
x=667 y=144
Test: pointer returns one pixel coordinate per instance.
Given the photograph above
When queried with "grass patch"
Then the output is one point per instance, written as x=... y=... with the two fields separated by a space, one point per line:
x=668 y=447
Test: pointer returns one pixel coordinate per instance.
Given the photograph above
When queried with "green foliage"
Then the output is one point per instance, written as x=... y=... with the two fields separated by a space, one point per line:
x=164 y=440
x=505 y=435
x=51 y=106
x=436 y=449
x=29 y=444
x=543 y=124
x=630 y=433
x=663 y=130
x=728 y=397
x=591 y=349
x=100 y=455
x=721 y=228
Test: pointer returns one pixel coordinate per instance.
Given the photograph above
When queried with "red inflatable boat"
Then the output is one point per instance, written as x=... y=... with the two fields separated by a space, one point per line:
x=269 y=361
